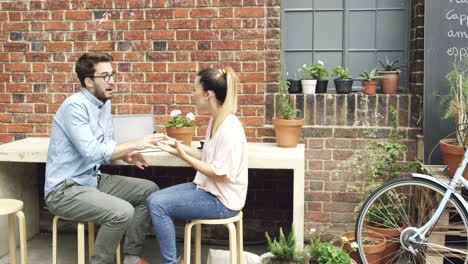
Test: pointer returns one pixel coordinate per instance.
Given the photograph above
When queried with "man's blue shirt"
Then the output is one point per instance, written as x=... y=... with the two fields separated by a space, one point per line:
x=80 y=141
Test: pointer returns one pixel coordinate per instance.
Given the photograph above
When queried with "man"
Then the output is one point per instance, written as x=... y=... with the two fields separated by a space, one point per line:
x=81 y=140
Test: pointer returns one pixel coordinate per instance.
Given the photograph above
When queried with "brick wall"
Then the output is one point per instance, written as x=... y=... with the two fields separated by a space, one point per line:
x=416 y=65
x=158 y=46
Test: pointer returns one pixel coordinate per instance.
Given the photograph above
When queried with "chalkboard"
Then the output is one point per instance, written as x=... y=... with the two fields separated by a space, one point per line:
x=446 y=41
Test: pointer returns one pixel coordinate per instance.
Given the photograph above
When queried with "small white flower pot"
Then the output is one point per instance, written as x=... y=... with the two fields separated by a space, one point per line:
x=308 y=86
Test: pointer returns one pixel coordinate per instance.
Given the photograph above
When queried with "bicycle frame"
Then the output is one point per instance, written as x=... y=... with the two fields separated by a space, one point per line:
x=451 y=189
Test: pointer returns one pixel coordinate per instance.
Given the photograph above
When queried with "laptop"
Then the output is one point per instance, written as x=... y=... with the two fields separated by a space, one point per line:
x=133 y=127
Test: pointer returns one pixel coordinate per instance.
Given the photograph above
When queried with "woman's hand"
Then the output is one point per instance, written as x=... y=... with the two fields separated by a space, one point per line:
x=136 y=159
x=172 y=147
x=150 y=141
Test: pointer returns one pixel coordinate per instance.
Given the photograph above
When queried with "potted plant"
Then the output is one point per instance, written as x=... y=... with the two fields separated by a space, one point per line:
x=343 y=82
x=326 y=252
x=295 y=85
x=308 y=82
x=284 y=249
x=453 y=149
x=369 y=82
x=287 y=126
x=375 y=164
x=374 y=246
x=181 y=128
x=391 y=70
x=319 y=73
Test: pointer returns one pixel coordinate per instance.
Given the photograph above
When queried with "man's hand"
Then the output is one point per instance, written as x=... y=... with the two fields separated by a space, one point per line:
x=150 y=141
x=136 y=159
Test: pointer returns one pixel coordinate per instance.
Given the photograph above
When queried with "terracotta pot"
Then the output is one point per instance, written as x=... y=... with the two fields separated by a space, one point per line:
x=374 y=253
x=287 y=132
x=369 y=87
x=181 y=133
x=389 y=85
x=392 y=235
x=452 y=155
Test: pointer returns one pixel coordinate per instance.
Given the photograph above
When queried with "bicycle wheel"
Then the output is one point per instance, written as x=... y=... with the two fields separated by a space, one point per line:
x=396 y=210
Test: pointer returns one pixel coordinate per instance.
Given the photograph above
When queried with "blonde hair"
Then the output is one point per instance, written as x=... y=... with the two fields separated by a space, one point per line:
x=223 y=83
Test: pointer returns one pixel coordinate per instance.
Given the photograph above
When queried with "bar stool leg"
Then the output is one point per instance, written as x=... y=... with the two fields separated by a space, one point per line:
x=11 y=237
x=187 y=242
x=81 y=242
x=117 y=254
x=54 y=240
x=90 y=240
x=240 y=242
x=232 y=242
x=198 y=243
x=22 y=230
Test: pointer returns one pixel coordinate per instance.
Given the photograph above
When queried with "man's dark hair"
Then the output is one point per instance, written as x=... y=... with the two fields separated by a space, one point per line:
x=85 y=64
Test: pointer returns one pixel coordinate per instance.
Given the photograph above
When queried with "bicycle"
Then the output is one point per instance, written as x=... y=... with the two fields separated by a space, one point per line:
x=430 y=218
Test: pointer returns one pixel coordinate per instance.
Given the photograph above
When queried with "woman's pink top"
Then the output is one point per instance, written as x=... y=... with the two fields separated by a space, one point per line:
x=226 y=152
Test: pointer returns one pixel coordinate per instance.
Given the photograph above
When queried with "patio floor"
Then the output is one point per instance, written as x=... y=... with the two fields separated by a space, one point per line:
x=40 y=249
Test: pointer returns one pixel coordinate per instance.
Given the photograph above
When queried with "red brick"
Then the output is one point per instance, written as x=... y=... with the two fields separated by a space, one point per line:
x=133 y=77
x=204 y=56
x=19 y=108
x=20 y=128
x=182 y=45
x=5 y=138
x=251 y=120
x=28 y=36
x=180 y=3
x=182 y=34
x=159 y=13
x=79 y=15
x=133 y=14
x=183 y=23
x=80 y=35
x=38 y=77
x=141 y=88
x=60 y=67
x=249 y=34
x=17 y=67
x=204 y=34
x=55 y=25
x=134 y=56
x=93 y=4
x=15 y=26
x=57 y=4
x=14 y=5
x=180 y=88
x=15 y=47
x=40 y=119
x=58 y=46
x=58 y=15
x=132 y=35
x=226 y=45
x=60 y=77
x=35 y=15
x=160 y=56
x=203 y=12
x=5 y=98
x=141 y=24
x=141 y=109
x=182 y=67
x=59 y=88
x=160 y=34
x=159 y=77
x=226 y=23
x=6 y=118
x=249 y=12
x=226 y=12
x=251 y=77
x=139 y=4
x=251 y=99
x=19 y=87
x=182 y=99
x=101 y=46
x=36 y=56
x=39 y=98
x=160 y=99
x=40 y=108
x=142 y=67
x=181 y=13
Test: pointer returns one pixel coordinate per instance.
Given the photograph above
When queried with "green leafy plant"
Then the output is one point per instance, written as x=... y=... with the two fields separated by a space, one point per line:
x=341 y=72
x=178 y=121
x=378 y=163
x=284 y=248
x=286 y=109
x=315 y=72
x=326 y=252
x=390 y=65
x=370 y=76
x=456 y=99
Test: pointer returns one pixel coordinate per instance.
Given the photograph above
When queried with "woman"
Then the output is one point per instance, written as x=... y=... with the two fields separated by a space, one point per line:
x=220 y=185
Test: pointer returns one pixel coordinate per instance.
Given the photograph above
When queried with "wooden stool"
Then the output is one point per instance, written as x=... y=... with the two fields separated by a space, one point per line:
x=236 y=244
x=13 y=207
x=81 y=242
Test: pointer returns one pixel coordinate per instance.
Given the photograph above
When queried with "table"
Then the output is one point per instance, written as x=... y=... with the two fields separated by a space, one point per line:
x=19 y=161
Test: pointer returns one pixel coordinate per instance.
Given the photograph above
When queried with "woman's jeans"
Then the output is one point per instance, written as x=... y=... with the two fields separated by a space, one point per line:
x=182 y=201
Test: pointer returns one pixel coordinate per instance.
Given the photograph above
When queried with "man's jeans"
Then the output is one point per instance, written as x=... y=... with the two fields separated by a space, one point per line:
x=118 y=205
x=181 y=201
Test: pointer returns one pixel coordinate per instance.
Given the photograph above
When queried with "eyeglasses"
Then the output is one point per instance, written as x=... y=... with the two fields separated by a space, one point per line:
x=105 y=77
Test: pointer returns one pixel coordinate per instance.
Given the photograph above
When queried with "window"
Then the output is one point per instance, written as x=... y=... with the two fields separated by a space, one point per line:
x=351 y=33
